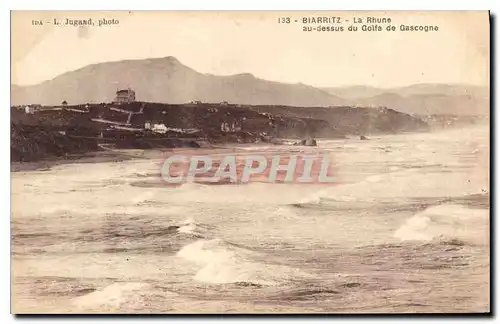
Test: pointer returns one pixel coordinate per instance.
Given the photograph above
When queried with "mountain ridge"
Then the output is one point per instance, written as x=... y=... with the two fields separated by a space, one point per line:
x=168 y=80
x=421 y=99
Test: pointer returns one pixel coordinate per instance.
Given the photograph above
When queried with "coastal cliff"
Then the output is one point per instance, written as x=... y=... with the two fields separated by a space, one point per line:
x=57 y=131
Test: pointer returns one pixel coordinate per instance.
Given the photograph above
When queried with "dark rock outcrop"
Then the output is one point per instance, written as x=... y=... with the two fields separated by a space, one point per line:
x=32 y=143
x=308 y=142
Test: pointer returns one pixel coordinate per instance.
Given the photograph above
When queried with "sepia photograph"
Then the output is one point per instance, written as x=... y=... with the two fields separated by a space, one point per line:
x=250 y=162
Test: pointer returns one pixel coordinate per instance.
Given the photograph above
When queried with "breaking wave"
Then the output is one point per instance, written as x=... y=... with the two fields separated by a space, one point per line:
x=453 y=223
x=221 y=262
x=110 y=297
x=191 y=227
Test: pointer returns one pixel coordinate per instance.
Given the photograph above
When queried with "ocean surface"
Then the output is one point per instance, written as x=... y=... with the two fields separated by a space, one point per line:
x=405 y=228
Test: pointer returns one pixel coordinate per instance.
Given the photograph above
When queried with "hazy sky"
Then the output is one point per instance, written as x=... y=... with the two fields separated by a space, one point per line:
x=253 y=42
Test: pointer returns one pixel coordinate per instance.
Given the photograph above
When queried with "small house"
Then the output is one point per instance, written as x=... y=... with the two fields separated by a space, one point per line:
x=230 y=128
x=160 y=128
x=29 y=110
x=125 y=96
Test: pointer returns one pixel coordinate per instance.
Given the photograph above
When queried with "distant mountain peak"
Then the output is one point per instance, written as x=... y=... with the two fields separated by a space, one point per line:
x=245 y=75
x=172 y=59
x=167 y=80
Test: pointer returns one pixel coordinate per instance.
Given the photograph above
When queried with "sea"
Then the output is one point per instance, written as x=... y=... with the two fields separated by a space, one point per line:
x=405 y=228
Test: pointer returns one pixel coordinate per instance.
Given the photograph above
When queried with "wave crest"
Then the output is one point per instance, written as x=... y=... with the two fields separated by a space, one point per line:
x=222 y=262
x=452 y=223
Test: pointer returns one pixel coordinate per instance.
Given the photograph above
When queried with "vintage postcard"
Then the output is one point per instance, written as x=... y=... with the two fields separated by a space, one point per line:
x=250 y=162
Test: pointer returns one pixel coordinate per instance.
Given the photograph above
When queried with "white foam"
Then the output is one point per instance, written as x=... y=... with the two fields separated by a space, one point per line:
x=111 y=296
x=222 y=263
x=447 y=222
x=206 y=251
x=188 y=227
x=188 y=221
